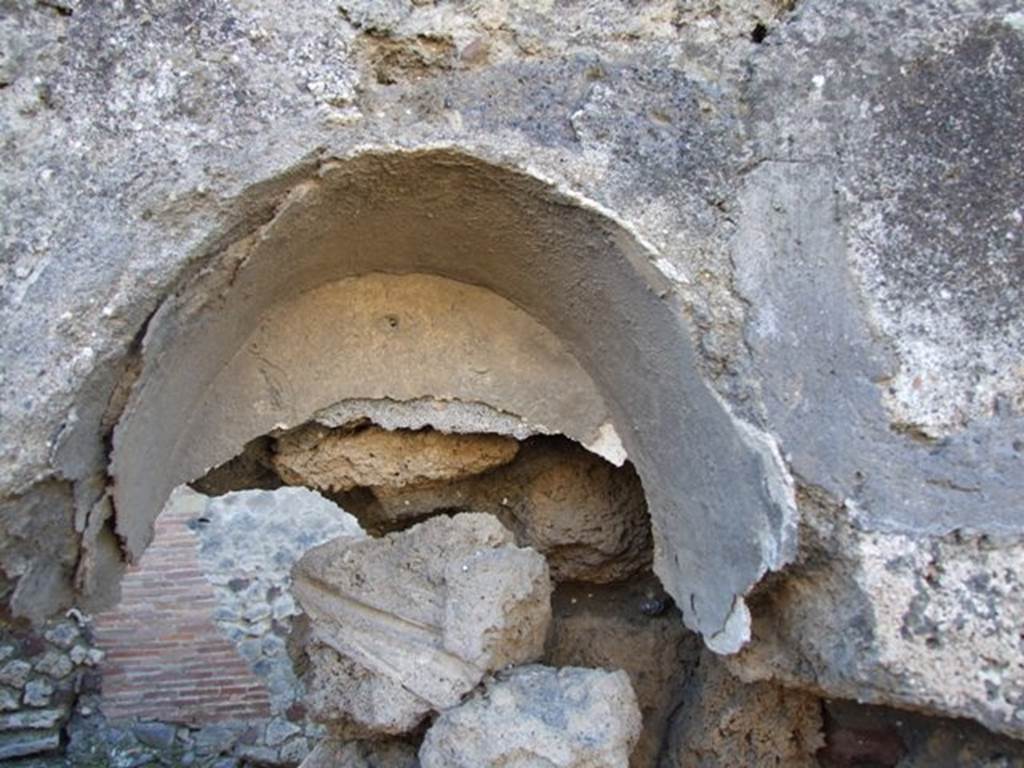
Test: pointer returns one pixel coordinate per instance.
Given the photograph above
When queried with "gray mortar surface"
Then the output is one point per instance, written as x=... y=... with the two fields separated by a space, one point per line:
x=823 y=229
x=452 y=416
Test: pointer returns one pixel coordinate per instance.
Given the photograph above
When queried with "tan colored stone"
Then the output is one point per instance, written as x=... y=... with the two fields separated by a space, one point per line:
x=339 y=460
x=586 y=516
x=723 y=722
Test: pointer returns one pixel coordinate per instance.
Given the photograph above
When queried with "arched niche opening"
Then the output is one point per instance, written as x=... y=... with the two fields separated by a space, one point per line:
x=396 y=277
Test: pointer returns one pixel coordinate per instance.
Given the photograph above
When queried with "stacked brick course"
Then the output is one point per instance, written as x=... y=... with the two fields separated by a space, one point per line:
x=166 y=659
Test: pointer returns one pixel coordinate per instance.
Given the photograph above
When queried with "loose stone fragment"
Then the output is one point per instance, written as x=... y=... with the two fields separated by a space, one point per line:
x=540 y=716
x=410 y=623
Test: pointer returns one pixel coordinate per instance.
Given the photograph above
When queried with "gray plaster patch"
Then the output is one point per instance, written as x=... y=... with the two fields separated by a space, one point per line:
x=939 y=237
x=821 y=365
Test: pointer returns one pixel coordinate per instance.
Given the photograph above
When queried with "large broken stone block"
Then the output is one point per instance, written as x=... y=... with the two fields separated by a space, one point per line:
x=932 y=625
x=339 y=460
x=588 y=517
x=540 y=716
x=408 y=624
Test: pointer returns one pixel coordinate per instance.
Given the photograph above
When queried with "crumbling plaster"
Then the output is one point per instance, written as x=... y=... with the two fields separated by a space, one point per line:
x=272 y=332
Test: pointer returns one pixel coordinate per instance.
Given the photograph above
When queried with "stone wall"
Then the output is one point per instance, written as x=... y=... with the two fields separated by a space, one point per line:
x=197 y=665
x=42 y=671
x=165 y=658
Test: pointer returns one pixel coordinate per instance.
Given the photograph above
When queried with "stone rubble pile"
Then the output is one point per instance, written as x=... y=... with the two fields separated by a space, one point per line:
x=586 y=516
x=408 y=626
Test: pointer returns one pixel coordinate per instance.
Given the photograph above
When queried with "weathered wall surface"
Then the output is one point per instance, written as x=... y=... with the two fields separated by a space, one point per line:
x=830 y=220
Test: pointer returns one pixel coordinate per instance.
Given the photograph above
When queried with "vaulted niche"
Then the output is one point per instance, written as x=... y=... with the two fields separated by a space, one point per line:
x=433 y=277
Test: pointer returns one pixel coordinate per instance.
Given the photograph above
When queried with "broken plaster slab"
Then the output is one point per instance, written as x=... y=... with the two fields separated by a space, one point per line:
x=444 y=415
x=458 y=417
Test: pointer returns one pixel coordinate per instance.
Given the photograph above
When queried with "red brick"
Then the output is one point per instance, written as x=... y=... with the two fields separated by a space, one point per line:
x=165 y=656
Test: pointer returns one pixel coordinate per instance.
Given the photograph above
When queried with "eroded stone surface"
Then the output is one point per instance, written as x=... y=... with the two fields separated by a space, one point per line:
x=539 y=716
x=586 y=516
x=339 y=460
x=408 y=624
x=723 y=722
x=911 y=611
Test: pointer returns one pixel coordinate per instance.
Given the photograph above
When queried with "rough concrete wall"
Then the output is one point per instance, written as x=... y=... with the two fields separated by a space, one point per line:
x=833 y=212
x=624 y=286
